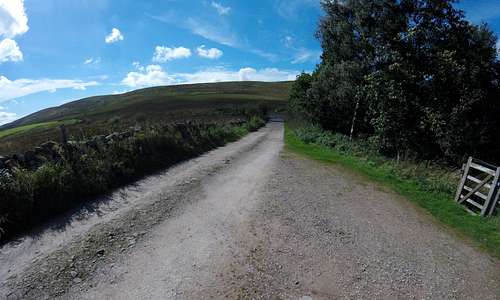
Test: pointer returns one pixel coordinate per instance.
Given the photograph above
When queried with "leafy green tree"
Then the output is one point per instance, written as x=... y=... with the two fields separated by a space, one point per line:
x=413 y=73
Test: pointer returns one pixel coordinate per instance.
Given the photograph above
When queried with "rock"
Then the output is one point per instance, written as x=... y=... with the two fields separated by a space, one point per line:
x=92 y=144
x=18 y=157
x=112 y=137
x=183 y=129
x=29 y=156
x=40 y=159
x=101 y=252
x=100 y=138
x=40 y=151
x=50 y=146
x=77 y=280
x=12 y=164
x=73 y=273
x=125 y=134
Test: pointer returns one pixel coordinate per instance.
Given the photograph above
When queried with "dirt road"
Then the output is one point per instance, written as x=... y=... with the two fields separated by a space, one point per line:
x=252 y=221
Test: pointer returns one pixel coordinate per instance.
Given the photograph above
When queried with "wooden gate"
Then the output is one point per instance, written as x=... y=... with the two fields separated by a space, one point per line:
x=478 y=190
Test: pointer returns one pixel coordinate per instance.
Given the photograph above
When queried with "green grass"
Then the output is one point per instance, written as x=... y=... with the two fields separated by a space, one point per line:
x=27 y=128
x=483 y=232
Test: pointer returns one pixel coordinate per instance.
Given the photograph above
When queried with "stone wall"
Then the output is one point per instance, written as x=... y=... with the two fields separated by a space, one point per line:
x=53 y=152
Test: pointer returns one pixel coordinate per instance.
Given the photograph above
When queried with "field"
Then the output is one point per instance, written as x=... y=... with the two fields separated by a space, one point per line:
x=35 y=127
x=106 y=114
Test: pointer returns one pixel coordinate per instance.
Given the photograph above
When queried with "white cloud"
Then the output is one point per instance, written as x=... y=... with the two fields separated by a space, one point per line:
x=114 y=36
x=219 y=32
x=13 y=22
x=9 y=51
x=151 y=75
x=269 y=56
x=291 y=9
x=92 y=61
x=288 y=41
x=268 y=74
x=212 y=33
x=154 y=75
x=221 y=10
x=306 y=55
x=13 y=19
x=137 y=65
x=11 y=89
x=7 y=117
x=164 y=54
x=212 y=53
x=244 y=74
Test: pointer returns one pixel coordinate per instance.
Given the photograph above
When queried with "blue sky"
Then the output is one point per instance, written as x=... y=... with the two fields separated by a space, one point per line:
x=55 y=51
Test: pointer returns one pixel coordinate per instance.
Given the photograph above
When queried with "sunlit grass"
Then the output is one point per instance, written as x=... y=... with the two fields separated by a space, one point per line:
x=27 y=128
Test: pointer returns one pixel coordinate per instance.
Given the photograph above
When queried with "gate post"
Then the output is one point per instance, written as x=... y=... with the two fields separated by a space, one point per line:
x=463 y=180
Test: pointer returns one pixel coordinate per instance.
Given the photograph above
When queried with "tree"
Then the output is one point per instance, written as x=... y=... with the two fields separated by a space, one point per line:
x=413 y=73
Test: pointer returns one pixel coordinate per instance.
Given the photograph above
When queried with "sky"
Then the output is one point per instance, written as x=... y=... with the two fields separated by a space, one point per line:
x=56 y=51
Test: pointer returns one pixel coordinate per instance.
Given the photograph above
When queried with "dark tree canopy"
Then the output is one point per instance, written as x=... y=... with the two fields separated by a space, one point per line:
x=418 y=77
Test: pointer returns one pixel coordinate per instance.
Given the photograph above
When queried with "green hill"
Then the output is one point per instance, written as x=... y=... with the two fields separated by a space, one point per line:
x=103 y=114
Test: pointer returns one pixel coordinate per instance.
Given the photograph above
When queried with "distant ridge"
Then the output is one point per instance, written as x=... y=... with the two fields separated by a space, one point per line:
x=145 y=97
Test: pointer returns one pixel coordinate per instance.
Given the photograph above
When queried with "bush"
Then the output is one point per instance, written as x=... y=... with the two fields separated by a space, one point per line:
x=255 y=123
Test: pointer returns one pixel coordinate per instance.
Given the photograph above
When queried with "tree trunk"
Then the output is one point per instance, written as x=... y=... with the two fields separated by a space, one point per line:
x=354 y=120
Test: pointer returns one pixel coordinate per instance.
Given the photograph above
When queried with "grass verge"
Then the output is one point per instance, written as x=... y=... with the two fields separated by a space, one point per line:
x=484 y=232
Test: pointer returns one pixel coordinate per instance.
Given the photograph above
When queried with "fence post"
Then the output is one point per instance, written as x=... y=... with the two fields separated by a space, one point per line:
x=493 y=196
x=463 y=180
x=64 y=134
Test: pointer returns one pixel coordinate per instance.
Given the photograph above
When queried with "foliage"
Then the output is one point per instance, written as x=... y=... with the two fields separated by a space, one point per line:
x=413 y=74
x=254 y=123
x=29 y=197
x=428 y=185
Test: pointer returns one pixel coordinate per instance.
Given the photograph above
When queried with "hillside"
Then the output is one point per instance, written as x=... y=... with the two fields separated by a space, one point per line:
x=102 y=114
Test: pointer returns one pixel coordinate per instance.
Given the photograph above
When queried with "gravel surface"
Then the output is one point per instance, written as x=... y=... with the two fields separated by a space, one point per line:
x=251 y=221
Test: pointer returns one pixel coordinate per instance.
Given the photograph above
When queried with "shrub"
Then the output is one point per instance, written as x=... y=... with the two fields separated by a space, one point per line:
x=254 y=123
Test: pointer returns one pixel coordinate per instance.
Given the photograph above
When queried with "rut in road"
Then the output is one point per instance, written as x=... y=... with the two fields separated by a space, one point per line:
x=271 y=225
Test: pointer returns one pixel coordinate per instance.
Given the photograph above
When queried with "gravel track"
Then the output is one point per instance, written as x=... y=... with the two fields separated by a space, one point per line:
x=252 y=221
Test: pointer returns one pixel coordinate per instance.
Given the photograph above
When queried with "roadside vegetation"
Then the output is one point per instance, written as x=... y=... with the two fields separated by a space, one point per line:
x=425 y=183
x=404 y=93
x=86 y=170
